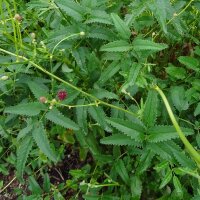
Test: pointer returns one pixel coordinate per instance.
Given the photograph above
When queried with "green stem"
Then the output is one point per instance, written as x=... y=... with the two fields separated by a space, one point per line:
x=189 y=147
x=69 y=84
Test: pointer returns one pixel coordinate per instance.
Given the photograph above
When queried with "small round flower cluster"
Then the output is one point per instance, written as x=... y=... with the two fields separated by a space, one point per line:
x=62 y=95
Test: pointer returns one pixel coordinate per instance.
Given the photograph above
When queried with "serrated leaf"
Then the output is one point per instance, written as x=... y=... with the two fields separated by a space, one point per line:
x=178 y=186
x=150 y=109
x=161 y=150
x=166 y=179
x=121 y=27
x=189 y=62
x=81 y=115
x=109 y=72
x=98 y=115
x=38 y=89
x=71 y=8
x=57 y=117
x=23 y=132
x=118 y=139
x=101 y=33
x=122 y=171
x=178 y=98
x=145 y=160
x=161 y=166
x=176 y=72
x=141 y=45
x=23 y=150
x=164 y=133
x=132 y=76
x=34 y=186
x=129 y=128
x=179 y=155
x=99 y=16
x=159 y=8
x=136 y=187
x=40 y=137
x=117 y=46
x=28 y=109
x=103 y=94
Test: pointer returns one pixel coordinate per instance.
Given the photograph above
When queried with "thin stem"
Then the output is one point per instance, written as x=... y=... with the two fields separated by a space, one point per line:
x=8 y=184
x=189 y=147
x=68 y=84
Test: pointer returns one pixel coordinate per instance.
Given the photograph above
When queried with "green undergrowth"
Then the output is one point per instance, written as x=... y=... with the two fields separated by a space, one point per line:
x=116 y=82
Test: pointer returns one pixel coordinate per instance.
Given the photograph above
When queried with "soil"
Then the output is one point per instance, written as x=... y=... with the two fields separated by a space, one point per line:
x=58 y=174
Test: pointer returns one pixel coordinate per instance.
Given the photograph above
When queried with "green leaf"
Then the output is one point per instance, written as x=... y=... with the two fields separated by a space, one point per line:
x=81 y=115
x=100 y=33
x=46 y=183
x=121 y=27
x=150 y=110
x=136 y=187
x=122 y=171
x=164 y=133
x=132 y=76
x=117 y=46
x=145 y=160
x=23 y=132
x=57 y=117
x=180 y=156
x=178 y=98
x=38 y=89
x=141 y=45
x=118 y=139
x=109 y=72
x=98 y=115
x=159 y=9
x=71 y=9
x=167 y=178
x=161 y=166
x=34 y=186
x=178 y=187
x=42 y=141
x=197 y=110
x=28 y=109
x=189 y=62
x=103 y=94
x=129 y=128
x=23 y=150
x=100 y=17
x=176 y=72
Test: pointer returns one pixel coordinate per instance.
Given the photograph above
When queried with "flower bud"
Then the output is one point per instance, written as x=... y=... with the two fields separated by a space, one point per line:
x=4 y=78
x=33 y=35
x=43 y=99
x=82 y=33
x=18 y=17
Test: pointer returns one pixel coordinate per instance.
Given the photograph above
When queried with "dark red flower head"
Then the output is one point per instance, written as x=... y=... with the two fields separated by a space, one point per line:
x=62 y=94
